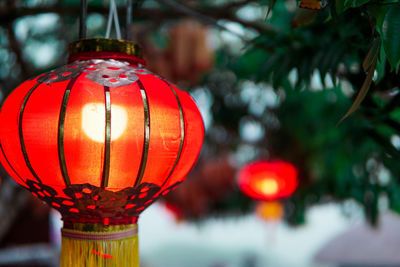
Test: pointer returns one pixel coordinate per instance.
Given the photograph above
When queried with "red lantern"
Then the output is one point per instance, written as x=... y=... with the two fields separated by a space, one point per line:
x=268 y=181
x=99 y=139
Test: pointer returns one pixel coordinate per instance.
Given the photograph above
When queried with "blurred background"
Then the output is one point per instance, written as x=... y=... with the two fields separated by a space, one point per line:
x=271 y=84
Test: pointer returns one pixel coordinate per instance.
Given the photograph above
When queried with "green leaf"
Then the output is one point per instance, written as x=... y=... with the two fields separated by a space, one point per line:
x=355 y=3
x=391 y=35
x=340 y=6
x=381 y=64
x=378 y=12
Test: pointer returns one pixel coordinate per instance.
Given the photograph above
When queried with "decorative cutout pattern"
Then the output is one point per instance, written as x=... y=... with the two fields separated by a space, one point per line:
x=92 y=202
x=110 y=72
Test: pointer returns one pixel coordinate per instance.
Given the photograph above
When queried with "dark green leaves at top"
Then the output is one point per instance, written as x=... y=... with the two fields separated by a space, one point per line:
x=355 y=3
x=391 y=35
x=343 y=5
x=339 y=6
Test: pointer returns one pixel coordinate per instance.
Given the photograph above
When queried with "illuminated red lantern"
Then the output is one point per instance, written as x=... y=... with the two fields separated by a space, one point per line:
x=99 y=139
x=268 y=180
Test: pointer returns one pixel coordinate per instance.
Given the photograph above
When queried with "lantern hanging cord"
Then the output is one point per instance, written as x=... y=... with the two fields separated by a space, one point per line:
x=131 y=6
x=113 y=14
x=128 y=19
x=82 y=20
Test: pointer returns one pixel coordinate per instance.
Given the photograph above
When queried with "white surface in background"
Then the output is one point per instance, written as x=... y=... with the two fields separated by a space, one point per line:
x=364 y=245
x=230 y=242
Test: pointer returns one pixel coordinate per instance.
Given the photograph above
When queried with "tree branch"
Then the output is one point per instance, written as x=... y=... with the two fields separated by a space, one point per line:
x=209 y=15
x=198 y=15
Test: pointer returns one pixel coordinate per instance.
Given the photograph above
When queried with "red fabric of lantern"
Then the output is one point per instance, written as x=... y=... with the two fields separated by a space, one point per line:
x=101 y=138
x=268 y=180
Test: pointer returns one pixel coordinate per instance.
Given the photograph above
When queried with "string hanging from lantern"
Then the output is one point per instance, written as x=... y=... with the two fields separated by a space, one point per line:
x=82 y=20
x=128 y=19
x=113 y=14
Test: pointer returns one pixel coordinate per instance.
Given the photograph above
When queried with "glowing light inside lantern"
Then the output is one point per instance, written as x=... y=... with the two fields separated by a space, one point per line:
x=268 y=186
x=93 y=121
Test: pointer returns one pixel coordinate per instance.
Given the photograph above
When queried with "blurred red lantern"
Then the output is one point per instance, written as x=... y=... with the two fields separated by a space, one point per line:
x=268 y=180
x=99 y=139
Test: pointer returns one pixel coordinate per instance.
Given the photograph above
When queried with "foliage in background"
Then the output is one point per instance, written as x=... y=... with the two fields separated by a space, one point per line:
x=347 y=44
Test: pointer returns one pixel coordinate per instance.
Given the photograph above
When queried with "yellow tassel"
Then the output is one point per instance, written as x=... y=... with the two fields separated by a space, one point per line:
x=80 y=246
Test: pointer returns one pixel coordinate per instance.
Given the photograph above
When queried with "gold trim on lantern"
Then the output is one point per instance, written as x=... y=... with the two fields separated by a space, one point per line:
x=146 y=143
x=107 y=148
x=21 y=133
x=105 y=45
x=61 y=123
x=182 y=125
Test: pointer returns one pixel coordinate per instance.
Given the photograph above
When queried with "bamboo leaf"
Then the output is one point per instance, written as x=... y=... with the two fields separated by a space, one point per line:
x=363 y=91
x=372 y=53
x=270 y=7
x=355 y=3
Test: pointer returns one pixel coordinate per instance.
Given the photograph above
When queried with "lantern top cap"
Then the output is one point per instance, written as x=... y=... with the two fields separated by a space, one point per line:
x=104 y=48
x=105 y=45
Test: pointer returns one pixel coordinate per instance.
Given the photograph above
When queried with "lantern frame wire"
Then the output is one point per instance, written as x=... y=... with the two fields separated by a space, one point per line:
x=113 y=14
x=60 y=143
x=128 y=19
x=182 y=125
x=146 y=144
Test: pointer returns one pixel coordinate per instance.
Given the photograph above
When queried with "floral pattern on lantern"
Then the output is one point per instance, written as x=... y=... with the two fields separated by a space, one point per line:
x=112 y=73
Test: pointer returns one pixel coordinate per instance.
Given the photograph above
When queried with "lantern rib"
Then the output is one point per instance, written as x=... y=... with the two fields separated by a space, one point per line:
x=146 y=142
x=9 y=164
x=60 y=133
x=182 y=125
x=107 y=137
x=21 y=133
